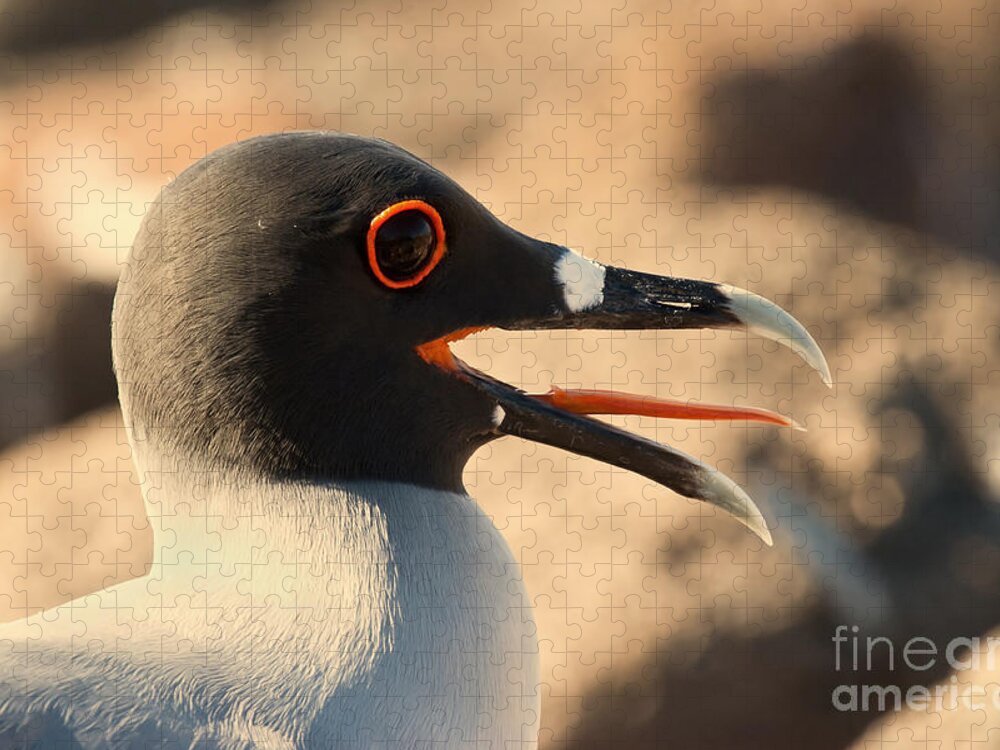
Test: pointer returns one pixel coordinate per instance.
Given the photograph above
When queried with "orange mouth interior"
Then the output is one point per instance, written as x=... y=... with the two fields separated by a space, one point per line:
x=581 y=401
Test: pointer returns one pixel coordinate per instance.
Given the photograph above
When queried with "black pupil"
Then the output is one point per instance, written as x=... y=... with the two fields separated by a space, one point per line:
x=404 y=244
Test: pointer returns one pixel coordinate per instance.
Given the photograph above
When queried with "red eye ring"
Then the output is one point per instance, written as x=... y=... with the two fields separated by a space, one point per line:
x=439 y=249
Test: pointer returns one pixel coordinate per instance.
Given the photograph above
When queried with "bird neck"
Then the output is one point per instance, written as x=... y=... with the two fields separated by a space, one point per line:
x=222 y=527
x=352 y=586
x=229 y=533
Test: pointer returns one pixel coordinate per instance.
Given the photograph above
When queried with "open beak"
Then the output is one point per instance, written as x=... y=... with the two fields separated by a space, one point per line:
x=621 y=299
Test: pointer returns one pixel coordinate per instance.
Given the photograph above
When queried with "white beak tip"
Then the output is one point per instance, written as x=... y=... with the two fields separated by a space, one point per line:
x=719 y=490
x=763 y=317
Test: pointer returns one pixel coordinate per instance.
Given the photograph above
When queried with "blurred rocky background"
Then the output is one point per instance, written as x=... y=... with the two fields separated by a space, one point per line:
x=841 y=158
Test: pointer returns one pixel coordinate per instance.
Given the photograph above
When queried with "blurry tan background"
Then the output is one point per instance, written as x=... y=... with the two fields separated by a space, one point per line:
x=843 y=162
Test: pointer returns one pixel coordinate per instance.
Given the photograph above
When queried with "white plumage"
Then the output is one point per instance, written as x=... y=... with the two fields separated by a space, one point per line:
x=359 y=615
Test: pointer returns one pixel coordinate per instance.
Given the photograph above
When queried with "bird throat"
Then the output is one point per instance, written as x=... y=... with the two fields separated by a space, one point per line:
x=355 y=585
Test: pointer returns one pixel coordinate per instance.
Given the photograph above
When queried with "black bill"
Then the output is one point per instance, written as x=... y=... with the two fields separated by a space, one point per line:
x=631 y=300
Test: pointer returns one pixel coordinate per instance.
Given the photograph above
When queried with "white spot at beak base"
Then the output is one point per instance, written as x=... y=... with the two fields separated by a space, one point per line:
x=582 y=281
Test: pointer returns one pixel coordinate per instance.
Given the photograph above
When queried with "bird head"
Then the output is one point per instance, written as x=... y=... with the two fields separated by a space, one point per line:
x=288 y=305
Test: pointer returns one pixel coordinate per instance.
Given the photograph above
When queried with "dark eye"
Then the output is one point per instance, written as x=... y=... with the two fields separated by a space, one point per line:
x=405 y=242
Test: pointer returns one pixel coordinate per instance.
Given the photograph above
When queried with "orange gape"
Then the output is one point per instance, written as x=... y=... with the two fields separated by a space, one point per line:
x=578 y=401
x=437 y=353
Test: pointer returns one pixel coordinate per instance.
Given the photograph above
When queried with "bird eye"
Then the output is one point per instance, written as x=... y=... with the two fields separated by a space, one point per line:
x=405 y=243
